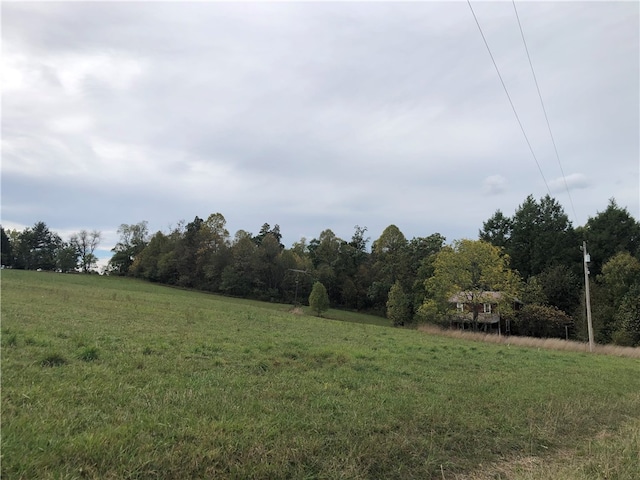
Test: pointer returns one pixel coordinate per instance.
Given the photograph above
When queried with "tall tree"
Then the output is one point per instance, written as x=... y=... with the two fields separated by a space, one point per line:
x=67 y=258
x=86 y=243
x=213 y=251
x=156 y=262
x=133 y=239
x=541 y=236
x=38 y=248
x=609 y=232
x=619 y=277
x=561 y=287
x=628 y=318
x=5 y=249
x=390 y=256
x=398 y=306
x=497 y=230
x=471 y=270
x=240 y=277
x=422 y=252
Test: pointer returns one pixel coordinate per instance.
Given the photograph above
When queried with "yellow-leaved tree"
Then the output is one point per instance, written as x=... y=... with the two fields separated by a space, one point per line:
x=470 y=272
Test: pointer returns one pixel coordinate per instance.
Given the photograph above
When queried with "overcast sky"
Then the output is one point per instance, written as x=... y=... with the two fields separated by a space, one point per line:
x=314 y=115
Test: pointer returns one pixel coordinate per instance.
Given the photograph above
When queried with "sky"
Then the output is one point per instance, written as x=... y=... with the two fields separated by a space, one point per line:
x=314 y=116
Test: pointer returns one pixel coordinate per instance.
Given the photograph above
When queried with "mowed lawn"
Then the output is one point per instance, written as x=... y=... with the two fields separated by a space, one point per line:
x=112 y=378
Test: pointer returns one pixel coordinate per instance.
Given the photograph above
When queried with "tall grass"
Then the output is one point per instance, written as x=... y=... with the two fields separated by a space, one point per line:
x=545 y=343
x=166 y=383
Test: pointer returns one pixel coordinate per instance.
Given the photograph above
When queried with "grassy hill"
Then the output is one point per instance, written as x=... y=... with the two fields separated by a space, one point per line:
x=112 y=378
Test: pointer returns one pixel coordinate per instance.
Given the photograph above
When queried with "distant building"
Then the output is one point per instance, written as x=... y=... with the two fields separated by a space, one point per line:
x=487 y=306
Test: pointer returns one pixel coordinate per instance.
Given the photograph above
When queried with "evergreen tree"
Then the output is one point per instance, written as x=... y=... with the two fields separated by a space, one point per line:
x=610 y=232
x=319 y=299
x=398 y=306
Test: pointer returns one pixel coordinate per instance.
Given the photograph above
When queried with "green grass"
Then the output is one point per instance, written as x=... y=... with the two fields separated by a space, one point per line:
x=166 y=383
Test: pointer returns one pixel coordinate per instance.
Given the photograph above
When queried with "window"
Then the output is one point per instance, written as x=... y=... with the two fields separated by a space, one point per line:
x=487 y=308
x=460 y=307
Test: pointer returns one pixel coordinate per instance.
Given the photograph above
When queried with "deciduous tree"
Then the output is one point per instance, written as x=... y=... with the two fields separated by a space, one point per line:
x=86 y=243
x=133 y=239
x=471 y=269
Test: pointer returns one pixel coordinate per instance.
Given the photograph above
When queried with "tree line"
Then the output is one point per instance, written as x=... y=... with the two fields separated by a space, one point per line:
x=533 y=255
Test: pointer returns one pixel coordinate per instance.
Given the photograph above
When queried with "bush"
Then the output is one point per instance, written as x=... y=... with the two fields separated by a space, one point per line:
x=319 y=299
x=542 y=321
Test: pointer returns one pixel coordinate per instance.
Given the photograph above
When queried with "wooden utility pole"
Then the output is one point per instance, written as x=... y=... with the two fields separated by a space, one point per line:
x=586 y=257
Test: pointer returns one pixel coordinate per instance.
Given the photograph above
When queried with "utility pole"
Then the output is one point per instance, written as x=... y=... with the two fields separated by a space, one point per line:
x=586 y=260
x=297 y=271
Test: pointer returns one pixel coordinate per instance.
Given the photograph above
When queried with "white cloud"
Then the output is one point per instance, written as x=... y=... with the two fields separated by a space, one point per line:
x=494 y=185
x=311 y=115
x=573 y=181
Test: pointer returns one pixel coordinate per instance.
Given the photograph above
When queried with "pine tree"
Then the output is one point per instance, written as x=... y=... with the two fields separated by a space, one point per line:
x=319 y=299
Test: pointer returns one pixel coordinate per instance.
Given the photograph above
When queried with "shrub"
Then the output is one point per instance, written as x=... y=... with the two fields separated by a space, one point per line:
x=319 y=299
x=542 y=321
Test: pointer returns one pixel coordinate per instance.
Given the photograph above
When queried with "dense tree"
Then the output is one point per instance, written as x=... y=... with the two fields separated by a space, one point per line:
x=156 y=262
x=37 y=248
x=240 y=276
x=609 y=232
x=619 y=276
x=542 y=236
x=270 y=272
x=497 y=230
x=324 y=253
x=390 y=257
x=319 y=299
x=67 y=258
x=422 y=253
x=86 y=243
x=471 y=269
x=561 y=287
x=5 y=249
x=133 y=239
x=627 y=319
x=538 y=236
x=532 y=292
x=267 y=230
x=213 y=252
x=398 y=306
x=542 y=321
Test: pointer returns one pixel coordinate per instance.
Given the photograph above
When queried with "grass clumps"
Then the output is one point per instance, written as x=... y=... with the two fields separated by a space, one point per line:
x=247 y=390
x=53 y=360
x=89 y=354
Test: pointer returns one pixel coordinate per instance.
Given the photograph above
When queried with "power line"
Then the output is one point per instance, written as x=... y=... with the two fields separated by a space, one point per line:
x=535 y=79
x=509 y=97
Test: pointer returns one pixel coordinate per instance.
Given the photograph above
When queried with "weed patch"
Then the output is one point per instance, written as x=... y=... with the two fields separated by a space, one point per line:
x=53 y=360
x=89 y=354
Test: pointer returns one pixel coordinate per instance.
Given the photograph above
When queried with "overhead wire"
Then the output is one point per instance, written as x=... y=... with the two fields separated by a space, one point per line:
x=509 y=97
x=535 y=79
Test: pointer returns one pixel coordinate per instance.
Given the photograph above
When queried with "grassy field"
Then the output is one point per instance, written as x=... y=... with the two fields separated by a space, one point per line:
x=111 y=378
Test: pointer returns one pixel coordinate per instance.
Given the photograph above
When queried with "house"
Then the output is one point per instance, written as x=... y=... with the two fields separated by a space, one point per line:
x=487 y=307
